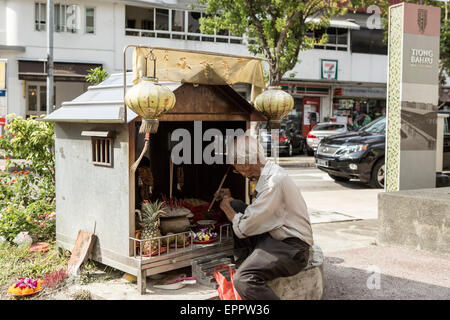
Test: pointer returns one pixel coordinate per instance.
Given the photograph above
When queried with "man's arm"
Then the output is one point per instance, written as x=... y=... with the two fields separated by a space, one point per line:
x=226 y=207
x=260 y=216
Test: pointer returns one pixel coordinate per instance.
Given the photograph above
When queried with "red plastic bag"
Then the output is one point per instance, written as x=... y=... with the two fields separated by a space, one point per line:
x=226 y=288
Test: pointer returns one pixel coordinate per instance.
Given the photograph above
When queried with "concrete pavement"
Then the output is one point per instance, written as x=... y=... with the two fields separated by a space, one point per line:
x=356 y=268
x=351 y=200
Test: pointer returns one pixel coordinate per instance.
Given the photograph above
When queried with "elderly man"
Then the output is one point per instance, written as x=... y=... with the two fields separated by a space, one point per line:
x=272 y=236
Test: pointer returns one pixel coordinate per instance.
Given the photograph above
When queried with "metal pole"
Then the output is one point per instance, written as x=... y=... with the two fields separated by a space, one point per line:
x=50 y=81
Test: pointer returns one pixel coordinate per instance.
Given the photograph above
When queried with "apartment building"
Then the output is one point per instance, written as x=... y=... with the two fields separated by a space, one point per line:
x=348 y=73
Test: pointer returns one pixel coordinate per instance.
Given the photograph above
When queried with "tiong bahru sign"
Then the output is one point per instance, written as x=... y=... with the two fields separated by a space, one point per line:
x=422 y=57
x=413 y=92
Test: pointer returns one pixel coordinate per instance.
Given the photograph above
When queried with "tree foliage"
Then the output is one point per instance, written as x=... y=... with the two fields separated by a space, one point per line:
x=96 y=76
x=277 y=29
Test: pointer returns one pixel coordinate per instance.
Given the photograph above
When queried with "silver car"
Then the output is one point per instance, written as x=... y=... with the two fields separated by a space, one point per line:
x=325 y=129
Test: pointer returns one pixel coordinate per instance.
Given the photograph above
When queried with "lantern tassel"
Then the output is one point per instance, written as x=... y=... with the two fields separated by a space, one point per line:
x=144 y=150
x=149 y=125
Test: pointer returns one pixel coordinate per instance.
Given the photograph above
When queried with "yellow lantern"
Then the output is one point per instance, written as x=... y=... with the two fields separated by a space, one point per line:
x=275 y=104
x=149 y=100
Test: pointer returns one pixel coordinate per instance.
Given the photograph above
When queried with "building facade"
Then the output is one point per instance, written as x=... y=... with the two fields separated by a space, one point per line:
x=347 y=74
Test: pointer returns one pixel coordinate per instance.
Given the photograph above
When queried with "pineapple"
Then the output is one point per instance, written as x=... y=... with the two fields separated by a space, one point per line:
x=151 y=212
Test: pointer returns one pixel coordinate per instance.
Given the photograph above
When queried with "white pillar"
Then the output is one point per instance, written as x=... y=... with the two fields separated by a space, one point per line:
x=440 y=141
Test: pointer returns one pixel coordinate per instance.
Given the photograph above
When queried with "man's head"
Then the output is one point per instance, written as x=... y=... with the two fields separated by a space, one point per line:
x=247 y=156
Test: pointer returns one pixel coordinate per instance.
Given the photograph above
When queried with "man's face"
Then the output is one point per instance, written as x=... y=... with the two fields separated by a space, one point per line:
x=250 y=171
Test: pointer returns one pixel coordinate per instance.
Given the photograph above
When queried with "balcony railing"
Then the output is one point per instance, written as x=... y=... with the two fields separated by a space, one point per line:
x=179 y=35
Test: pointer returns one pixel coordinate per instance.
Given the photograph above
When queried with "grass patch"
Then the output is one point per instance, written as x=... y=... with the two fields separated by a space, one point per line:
x=96 y=272
x=16 y=263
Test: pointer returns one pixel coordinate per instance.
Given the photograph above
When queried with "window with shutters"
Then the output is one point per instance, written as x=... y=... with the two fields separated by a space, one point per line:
x=102 y=151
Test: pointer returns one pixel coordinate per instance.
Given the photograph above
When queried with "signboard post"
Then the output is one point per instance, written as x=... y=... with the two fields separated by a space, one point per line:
x=412 y=98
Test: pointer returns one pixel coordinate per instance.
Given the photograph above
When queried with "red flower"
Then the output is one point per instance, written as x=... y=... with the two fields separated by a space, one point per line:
x=26 y=173
x=14 y=172
x=20 y=172
x=6 y=158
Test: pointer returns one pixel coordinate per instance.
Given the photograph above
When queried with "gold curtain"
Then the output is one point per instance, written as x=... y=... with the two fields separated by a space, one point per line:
x=199 y=67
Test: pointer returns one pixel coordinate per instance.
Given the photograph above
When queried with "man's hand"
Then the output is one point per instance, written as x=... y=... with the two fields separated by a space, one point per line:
x=222 y=193
x=226 y=207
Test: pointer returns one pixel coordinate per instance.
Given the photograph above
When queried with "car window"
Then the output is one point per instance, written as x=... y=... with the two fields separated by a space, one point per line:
x=377 y=126
x=328 y=126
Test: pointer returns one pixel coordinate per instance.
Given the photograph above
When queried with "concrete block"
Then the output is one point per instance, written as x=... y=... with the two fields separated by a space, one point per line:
x=418 y=219
x=306 y=285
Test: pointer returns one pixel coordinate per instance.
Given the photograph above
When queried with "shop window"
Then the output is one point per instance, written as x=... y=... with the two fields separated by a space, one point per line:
x=337 y=38
x=37 y=99
x=172 y=24
x=40 y=16
x=131 y=23
x=32 y=98
x=65 y=18
x=178 y=20
x=102 y=151
x=90 y=20
x=43 y=98
x=194 y=21
x=368 y=41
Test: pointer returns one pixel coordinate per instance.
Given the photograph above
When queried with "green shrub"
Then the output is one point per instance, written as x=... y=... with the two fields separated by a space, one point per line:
x=27 y=195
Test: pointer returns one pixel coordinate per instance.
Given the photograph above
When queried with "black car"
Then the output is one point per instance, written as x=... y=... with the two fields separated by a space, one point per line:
x=355 y=155
x=291 y=142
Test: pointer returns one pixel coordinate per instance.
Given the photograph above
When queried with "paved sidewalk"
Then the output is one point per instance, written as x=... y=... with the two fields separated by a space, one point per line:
x=402 y=274
x=352 y=256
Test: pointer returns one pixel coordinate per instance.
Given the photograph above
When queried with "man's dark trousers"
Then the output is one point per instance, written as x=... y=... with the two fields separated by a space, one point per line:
x=264 y=258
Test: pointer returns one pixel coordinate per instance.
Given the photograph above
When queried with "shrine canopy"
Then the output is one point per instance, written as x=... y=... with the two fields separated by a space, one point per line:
x=198 y=67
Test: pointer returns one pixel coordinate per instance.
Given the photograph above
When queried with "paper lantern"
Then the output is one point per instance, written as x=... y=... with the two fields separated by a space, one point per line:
x=274 y=104
x=149 y=100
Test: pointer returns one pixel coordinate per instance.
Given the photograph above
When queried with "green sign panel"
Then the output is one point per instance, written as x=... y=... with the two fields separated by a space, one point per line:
x=328 y=69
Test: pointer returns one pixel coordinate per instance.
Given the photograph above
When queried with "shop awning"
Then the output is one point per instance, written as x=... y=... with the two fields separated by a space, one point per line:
x=335 y=23
x=36 y=70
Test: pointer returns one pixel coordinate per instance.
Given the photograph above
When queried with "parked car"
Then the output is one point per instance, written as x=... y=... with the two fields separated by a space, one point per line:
x=291 y=142
x=322 y=130
x=355 y=155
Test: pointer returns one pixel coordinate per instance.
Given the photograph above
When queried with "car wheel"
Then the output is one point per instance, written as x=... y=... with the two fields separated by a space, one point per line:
x=378 y=173
x=337 y=178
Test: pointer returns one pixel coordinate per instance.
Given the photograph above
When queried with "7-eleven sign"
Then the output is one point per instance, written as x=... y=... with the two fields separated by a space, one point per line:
x=329 y=69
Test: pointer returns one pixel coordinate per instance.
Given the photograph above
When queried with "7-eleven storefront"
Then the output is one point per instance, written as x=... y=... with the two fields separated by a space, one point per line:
x=312 y=104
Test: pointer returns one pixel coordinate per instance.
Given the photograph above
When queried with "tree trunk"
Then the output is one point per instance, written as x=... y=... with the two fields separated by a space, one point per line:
x=274 y=74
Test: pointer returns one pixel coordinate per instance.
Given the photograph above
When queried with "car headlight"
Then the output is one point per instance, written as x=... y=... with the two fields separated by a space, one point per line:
x=351 y=149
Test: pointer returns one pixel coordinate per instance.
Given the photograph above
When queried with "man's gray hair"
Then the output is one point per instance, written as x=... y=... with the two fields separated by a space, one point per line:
x=245 y=150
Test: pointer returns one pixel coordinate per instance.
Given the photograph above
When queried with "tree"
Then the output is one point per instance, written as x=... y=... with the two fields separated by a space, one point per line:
x=96 y=76
x=277 y=29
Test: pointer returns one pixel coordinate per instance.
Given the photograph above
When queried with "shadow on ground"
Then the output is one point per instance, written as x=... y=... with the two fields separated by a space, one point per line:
x=409 y=275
